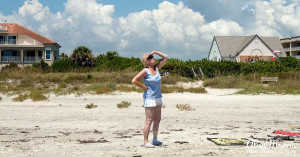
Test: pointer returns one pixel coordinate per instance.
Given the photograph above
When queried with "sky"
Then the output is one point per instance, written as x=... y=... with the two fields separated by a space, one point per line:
x=182 y=29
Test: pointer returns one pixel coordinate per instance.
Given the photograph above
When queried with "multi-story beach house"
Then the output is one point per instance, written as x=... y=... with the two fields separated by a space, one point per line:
x=245 y=48
x=25 y=47
x=291 y=46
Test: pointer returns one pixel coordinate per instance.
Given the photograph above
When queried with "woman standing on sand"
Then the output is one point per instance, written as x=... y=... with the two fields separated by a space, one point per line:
x=152 y=94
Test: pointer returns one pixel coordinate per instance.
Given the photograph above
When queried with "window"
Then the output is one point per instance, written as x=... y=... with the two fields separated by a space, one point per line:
x=2 y=39
x=48 y=54
x=12 y=39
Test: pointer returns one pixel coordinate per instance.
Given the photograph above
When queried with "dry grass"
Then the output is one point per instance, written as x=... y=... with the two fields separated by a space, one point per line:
x=179 y=89
x=21 y=97
x=185 y=107
x=124 y=104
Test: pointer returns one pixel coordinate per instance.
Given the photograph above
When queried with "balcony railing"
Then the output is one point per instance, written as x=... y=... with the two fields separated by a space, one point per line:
x=293 y=48
x=18 y=42
x=17 y=59
x=297 y=56
x=32 y=59
x=9 y=59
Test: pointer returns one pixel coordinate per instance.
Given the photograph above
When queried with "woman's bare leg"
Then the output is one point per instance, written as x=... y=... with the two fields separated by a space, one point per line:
x=156 y=120
x=149 y=111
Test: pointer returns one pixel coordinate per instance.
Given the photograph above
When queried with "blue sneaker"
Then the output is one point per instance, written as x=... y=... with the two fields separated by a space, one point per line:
x=156 y=143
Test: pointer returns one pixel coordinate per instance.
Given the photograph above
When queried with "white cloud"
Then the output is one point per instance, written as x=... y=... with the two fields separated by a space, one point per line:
x=173 y=28
x=275 y=18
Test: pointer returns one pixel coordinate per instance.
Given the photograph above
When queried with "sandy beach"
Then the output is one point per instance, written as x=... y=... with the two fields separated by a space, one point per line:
x=63 y=126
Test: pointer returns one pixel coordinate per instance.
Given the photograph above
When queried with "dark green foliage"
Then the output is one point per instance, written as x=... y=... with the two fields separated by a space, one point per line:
x=83 y=56
x=64 y=65
x=11 y=67
x=42 y=65
x=111 y=61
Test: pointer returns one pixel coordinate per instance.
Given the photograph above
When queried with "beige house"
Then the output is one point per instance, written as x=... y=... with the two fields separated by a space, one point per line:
x=25 y=47
x=245 y=48
x=291 y=46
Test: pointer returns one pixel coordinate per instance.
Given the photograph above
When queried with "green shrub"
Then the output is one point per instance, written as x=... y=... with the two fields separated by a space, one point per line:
x=62 y=85
x=21 y=97
x=91 y=106
x=64 y=65
x=42 y=65
x=88 y=76
x=36 y=95
x=124 y=104
x=196 y=90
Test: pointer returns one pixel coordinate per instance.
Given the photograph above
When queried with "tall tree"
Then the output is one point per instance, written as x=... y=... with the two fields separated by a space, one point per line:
x=83 y=56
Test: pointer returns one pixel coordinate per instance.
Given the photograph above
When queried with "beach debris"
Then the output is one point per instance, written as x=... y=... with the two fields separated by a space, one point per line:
x=65 y=133
x=176 y=130
x=21 y=140
x=210 y=133
x=210 y=154
x=123 y=137
x=229 y=141
x=92 y=141
x=181 y=142
x=282 y=137
x=295 y=128
x=97 y=132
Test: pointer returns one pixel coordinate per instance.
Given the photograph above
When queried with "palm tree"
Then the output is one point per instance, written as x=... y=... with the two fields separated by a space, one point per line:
x=83 y=56
x=63 y=56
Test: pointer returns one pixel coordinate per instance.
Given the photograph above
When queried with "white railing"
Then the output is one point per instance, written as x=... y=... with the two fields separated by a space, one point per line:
x=293 y=48
x=17 y=59
x=296 y=48
x=32 y=59
x=8 y=59
x=297 y=56
x=19 y=42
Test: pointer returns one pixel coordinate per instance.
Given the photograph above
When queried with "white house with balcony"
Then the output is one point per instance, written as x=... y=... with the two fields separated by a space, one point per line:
x=291 y=46
x=245 y=48
x=25 y=47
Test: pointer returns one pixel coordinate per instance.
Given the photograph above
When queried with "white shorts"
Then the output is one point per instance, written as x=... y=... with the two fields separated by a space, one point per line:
x=152 y=102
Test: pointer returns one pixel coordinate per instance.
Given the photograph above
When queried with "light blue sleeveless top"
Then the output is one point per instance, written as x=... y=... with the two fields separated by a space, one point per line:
x=153 y=84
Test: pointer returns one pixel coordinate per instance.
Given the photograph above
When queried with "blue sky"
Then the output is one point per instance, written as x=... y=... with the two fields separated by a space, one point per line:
x=123 y=7
x=182 y=29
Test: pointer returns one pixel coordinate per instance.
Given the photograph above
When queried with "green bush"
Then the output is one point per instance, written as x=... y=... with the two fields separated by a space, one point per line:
x=42 y=65
x=64 y=65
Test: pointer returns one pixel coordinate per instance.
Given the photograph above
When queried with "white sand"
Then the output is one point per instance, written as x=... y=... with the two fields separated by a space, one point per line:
x=50 y=129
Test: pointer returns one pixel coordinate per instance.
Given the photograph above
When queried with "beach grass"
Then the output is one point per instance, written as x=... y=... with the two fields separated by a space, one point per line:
x=288 y=83
x=123 y=104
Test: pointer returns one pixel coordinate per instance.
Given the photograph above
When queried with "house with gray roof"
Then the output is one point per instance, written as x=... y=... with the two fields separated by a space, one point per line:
x=245 y=48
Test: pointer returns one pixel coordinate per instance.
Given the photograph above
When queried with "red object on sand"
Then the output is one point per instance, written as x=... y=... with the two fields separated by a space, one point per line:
x=287 y=133
x=274 y=58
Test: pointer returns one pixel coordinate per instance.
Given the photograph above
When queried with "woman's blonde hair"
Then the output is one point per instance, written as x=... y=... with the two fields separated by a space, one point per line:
x=144 y=59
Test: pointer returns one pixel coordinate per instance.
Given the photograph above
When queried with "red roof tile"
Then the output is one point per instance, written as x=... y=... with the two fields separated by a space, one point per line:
x=17 y=29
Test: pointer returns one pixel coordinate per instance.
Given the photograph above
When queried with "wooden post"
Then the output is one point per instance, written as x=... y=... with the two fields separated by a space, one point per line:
x=202 y=75
x=195 y=74
x=43 y=55
x=22 y=57
x=0 y=56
